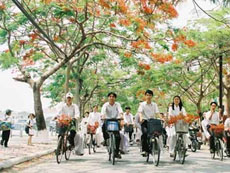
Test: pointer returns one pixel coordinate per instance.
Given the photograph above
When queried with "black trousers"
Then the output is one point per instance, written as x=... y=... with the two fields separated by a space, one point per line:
x=5 y=138
x=130 y=135
x=144 y=137
x=211 y=139
x=71 y=137
x=117 y=136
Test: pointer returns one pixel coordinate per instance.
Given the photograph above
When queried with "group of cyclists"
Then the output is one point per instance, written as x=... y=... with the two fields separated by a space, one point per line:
x=111 y=119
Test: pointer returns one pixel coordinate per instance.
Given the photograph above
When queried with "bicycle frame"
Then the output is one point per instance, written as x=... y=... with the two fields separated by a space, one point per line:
x=218 y=148
x=62 y=147
x=154 y=149
x=180 y=148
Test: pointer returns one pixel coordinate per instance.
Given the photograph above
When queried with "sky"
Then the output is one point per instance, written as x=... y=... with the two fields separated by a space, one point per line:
x=18 y=96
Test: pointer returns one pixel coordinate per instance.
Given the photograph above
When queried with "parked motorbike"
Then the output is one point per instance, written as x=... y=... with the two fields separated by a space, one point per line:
x=196 y=142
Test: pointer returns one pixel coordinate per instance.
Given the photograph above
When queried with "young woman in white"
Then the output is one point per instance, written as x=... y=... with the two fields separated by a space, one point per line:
x=175 y=110
x=94 y=119
x=30 y=123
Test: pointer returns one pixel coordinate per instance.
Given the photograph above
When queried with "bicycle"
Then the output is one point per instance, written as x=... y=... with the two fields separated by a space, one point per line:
x=181 y=129
x=92 y=143
x=112 y=127
x=218 y=149
x=195 y=145
x=225 y=141
x=154 y=130
x=63 y=146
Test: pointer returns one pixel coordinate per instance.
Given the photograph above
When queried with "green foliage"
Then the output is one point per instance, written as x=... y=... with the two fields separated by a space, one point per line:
x=7 y=61
x=3 y=35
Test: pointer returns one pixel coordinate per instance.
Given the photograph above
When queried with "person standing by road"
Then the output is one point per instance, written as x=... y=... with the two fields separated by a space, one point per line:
x=6 y=133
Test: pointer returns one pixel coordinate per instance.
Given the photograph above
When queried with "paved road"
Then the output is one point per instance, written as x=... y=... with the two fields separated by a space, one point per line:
x=130 y=163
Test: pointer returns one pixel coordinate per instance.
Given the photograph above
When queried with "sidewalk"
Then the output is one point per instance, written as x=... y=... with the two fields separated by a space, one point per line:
x=18 y=151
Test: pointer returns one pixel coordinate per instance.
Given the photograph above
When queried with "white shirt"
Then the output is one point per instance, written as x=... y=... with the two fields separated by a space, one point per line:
x=227 y=123
x=148 y=110
x=93 y=118
x=111 y=111
x=84 y=125
x=137 y=121
x=128 y=118
x=8 y=119
x=215 y=118
x=31 y=122
x=72 y=110
x=176 y=111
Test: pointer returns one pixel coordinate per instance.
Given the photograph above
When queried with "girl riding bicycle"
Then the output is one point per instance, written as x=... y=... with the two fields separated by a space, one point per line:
x=94 y=125
x=176 y=109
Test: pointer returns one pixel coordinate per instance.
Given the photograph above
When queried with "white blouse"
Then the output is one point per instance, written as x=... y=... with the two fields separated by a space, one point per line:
x=30 y=122
x=227 y=123
x=9 y=119
x=93 y=118
x=176 y=111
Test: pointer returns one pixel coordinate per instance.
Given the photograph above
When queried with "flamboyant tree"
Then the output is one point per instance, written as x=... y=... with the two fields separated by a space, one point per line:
x=44 y=35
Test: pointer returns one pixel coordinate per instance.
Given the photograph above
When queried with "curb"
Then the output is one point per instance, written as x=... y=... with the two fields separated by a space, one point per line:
x=11 y=162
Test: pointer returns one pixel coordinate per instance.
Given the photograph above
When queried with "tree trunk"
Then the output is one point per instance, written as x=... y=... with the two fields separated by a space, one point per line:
x=228 y=101
x=69 y=66
x=198 y=105
x=77 y=91
x=41 y=125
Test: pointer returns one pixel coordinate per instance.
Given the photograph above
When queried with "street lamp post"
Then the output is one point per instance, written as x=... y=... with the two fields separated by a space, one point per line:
x=221 y=83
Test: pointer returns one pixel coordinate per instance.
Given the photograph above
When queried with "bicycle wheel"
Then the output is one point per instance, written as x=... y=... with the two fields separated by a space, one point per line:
x=109 y=147
x=67 y=148
x=181 y=151
x=213 y=155
x=175 y=151
x=194 y=146
x=60 y=151
x=149 y=149
x=113 y=144
x=221 y=150
x=94 y=145
x=156 y=152
x=147 y=157
x=90 y=143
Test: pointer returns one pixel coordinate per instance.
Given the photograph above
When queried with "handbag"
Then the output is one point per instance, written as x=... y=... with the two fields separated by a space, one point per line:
x=27 y=128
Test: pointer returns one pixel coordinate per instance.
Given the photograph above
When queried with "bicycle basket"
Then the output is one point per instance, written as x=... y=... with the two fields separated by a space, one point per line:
x=217 y=130
x=112 y=126
x=154 y=126
x=181 y=127
x=62 y=129
x=218 y=134
x=91 y=129
x=128 y=128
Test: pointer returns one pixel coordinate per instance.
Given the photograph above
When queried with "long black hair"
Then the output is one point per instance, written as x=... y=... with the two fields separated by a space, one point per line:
x=180 y=104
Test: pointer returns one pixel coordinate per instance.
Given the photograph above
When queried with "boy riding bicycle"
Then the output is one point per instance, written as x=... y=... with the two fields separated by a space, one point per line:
x=112 y=110
x=147 y=110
